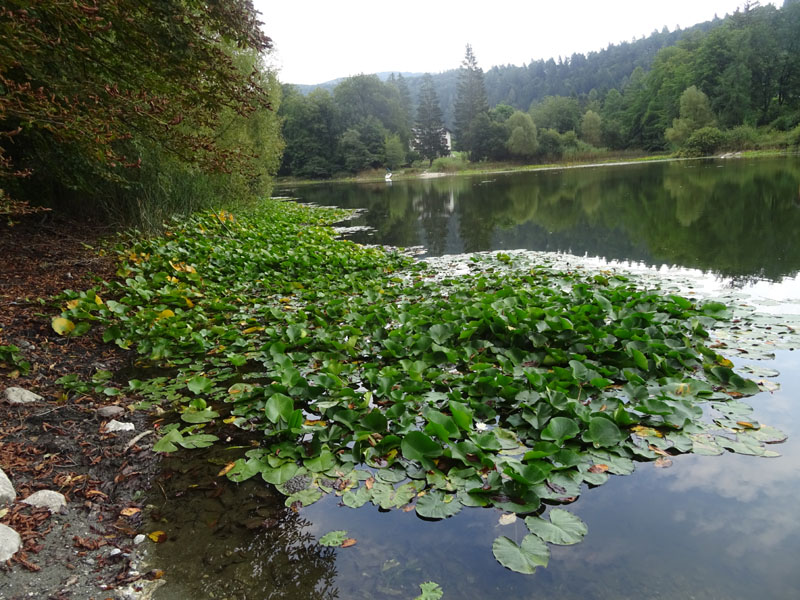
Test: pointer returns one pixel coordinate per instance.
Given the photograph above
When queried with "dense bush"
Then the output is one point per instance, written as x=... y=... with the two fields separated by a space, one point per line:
x=703 y=142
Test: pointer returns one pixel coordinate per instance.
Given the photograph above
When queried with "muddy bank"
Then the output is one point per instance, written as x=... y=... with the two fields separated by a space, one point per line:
x=61 y=443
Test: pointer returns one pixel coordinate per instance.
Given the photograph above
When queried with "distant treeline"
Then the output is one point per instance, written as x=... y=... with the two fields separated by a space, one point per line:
x=731 y=83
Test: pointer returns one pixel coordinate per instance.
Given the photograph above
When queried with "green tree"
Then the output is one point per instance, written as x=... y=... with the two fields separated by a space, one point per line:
x=310 y=129
x=429 y=130
x=394 y=150
x=557 y=112
x=471 y=101
x=695 y=113
x=354 y=152
x=522 y=140
x=86 y=86
x=592 y=128
x=488 y=138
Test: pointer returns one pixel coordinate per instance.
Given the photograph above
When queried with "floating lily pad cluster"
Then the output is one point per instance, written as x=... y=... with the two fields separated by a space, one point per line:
x=369 y=377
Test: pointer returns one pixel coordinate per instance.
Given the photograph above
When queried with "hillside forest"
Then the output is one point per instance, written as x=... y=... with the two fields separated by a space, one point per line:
x=731 y=83
x=94 y=120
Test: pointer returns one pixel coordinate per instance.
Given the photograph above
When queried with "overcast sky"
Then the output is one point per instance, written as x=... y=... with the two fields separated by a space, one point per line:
x=319 y=40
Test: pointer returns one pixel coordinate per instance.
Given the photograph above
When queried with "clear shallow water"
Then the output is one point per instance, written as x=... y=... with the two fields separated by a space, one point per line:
x=706 y=528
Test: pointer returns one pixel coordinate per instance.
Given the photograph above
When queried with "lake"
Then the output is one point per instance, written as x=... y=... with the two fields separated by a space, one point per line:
x=708 y=527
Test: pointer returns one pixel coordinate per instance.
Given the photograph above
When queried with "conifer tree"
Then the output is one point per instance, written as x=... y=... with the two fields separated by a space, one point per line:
x=429 y=130
x=471 y=100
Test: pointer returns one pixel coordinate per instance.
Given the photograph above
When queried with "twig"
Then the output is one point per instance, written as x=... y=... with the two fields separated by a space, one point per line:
x=132 y=443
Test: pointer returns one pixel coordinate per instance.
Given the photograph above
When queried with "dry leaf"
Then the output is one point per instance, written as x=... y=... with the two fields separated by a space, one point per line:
x=130 y=511
x=663 y=463
x=658 y=450
x=598 y=468
x=158 y=536
x=349 y=542
x=507 y=519
x=226 y=468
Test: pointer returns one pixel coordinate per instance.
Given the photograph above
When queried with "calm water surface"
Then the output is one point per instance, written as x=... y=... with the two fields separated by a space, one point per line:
x=724 y=527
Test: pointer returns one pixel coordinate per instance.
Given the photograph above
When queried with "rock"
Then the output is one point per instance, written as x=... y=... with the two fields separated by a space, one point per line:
x=52 y=501
x=18 y=395
x=113 y=426
x=139 y=539
x=7 y=492
x=109 y=412
x=10 y=542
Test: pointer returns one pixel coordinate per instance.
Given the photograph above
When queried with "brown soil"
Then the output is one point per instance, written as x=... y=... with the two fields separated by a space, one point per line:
x=60 y=444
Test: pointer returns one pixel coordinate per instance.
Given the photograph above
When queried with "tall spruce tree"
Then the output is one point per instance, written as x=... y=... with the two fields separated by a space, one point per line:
x=471 y=100
x=429 y=130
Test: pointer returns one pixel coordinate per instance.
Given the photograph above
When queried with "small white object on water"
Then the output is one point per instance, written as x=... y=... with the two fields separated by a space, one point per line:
x=115 y=425
x=52 y=501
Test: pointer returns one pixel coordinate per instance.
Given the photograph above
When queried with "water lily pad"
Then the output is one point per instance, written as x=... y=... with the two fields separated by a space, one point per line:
x=525 y=558
x=437 y=505
x=333 y=538
x=563 y=528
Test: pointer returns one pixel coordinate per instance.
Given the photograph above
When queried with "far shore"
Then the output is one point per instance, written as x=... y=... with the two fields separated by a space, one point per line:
x=496 y=168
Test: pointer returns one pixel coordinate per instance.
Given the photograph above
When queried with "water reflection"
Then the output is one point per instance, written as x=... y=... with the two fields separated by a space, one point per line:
x=236 y=542
x=738 y=219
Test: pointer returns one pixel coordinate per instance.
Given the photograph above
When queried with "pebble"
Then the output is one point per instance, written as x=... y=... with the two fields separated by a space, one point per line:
x=18 y=395
x=139 y=539
x=107 y=412
x=7 y=491
x=114 y=425
x=10 y=542
x=52 y=501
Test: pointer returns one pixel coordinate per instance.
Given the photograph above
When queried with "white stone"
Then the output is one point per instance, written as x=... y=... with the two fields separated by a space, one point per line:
x=113 y=426
x=18 y=395
x=139 y=539
x=7 y=492
x=52 y=501
x=10 y=542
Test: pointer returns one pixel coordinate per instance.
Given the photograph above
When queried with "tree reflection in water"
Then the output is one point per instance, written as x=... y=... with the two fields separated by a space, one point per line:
x=737 y=219
x=233 y=541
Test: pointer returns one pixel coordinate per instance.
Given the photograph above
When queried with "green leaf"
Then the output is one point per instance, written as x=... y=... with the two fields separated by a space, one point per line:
x=305 y=497
x=437 y=505
x=168 y=441
x=563 y=528
x=430 y=591
x=280 y=474
x=560 y=429
x=199 y=416
x=358 y=498
x=524 y=558
x=244 y=469
x=198 y=440
x=640 y=359
x=279 y=406
x=199 y=385
x=418 y=446
x=333 y=538
x=604 y=432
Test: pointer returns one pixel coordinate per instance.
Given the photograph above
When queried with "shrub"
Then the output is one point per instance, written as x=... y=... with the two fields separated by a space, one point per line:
x=743 y=137
x=449 y=164
x=703 y=142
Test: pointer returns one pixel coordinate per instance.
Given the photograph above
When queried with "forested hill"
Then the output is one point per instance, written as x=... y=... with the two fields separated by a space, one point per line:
x=727 y=84
x=520 y=86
